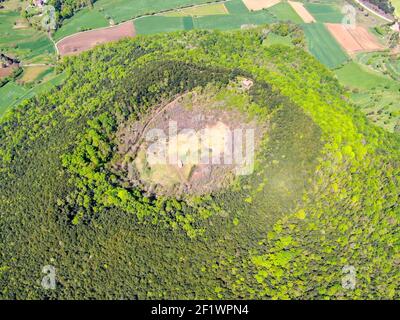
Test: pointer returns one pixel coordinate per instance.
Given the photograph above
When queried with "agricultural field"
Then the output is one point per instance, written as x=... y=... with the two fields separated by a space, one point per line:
x=204 y=10
x=323 y=46
x=228 y=22
x=285 y=12
x=19 y=40
x=157 y=24
x=236 y=7
x=354 y=39
x=302 y=11
x=325 y=12
x=85 y=19
x=375 y=94
x=117 y=11
x=255 y=5
x=84 y=41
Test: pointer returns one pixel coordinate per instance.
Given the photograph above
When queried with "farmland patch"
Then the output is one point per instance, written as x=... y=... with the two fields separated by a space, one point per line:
x=354 y=39
x=86 y=40
x=260 y=4
x=236 y=7
x=324 y=12
x=157 y=24
x=323 y=46
x=302 y=11
x=205 y=10
x=284 y=12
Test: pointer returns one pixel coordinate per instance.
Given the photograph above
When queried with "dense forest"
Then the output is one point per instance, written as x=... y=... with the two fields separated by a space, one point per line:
x=323 y=198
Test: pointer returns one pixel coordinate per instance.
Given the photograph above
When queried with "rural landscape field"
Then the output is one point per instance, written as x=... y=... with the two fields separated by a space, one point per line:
x=198 y=149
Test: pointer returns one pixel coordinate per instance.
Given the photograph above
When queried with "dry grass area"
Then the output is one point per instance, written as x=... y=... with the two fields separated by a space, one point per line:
x=354 y=39
x=302 y=11
x=256 y=5
x=32 y=73
x=84 y=41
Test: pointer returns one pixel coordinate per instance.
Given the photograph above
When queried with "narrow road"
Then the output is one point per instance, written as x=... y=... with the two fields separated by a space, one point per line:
x=372 y=11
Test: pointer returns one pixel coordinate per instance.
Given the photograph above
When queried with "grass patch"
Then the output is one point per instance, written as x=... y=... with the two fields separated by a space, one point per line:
x=284 y=12
x=323 y=46
x=274 y=38
x=9 y=94
x=354 y=75
x=325 y=13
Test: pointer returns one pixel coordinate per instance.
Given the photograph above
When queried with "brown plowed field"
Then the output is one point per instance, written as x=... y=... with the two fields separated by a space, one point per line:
x=84 y=41
x=354 y=39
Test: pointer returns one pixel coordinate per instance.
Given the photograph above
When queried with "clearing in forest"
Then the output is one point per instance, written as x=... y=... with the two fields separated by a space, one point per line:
x=86 y=40
x=302 y=11
x=354 y=38
x=260 y=4
x=190 y=145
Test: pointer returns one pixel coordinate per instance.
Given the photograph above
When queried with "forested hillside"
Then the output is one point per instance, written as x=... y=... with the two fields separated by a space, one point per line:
x=323 y=197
